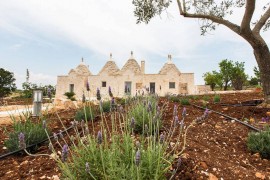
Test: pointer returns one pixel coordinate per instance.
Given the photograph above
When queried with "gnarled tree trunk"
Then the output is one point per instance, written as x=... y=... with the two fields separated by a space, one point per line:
x=262 y=56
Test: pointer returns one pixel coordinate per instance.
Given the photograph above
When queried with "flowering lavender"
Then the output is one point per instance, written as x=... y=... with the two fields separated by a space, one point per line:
x=149 y=108
x=179 y=161
x=206 y=112
x=132 y=123
x=110 y=92
x=113 y=104
x=87 y=167
x=98 y=94
x=64 y=152
x=161 y=138
x=176 y=121
x=83 y=98
x=182 y=124
x=44 y=124
x=175 y=112
x=99 y=137
x=22 y=144
x=184 y=112
x=87 y=86
x=137 y=157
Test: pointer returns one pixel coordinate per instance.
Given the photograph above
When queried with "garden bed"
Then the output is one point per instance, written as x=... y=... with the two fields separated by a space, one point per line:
x=215 y=148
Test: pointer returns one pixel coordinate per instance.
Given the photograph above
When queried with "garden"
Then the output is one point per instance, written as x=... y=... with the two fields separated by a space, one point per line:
x=142 y=137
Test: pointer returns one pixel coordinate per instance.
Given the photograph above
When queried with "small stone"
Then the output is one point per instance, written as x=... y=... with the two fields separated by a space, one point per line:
x=4 y=148
x=214 y=169
x=212 y=177
x=55 y=177
x=257 y=155
x=42 y=177
x=24 y=163
x=9 y=172
x=218 y=127
x=268 y=113
x=260 y=175
x=203 y=165
x=233 y=121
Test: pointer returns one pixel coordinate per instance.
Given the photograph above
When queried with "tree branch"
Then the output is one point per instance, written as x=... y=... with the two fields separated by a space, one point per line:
x=215 y=19
x=180 y=7
x=250 y=7
x=261 y=22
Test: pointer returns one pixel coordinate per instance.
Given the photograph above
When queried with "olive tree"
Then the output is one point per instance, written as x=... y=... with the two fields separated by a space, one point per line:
x=7 y=83
x=213 y=13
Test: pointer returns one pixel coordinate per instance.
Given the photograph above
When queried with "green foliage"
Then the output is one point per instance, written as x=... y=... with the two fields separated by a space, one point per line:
x=254 y=81
x=116 y=160
x=85 y=112
x=106 y=106
x=144 y=116
x=34 y=133
x=185 y=101
x=216 y=98
x=226 y=68
x=257 y=73
x=238 y=76
x=28 y=89
x=175 y=99
x=259 y=142
x=206 y=98
x=213 y=78
x=70 y=95
x=7 y=83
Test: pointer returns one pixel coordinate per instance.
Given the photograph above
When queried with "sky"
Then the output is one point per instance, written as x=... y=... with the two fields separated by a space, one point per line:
x=50 y=37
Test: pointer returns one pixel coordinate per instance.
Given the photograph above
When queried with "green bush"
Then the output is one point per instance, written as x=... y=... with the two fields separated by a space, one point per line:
x=70 y=95
x=206 y=98
x=34 y=133
x=185 y=101
x=117 y=159
x=143 y=116
x=106 y=106
x=174 y=99
x=216 y=98
x=85 y=112
x=259 y=142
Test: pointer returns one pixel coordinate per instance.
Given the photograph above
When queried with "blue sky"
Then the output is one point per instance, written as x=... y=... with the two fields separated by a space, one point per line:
x=50 y=37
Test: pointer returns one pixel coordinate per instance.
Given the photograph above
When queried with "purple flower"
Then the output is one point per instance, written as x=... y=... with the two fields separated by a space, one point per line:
x=98 y=94
x=87 y=167
x=110 y=92
x=176 y=121
x=22 y=144
x=137 y=157
x=161 y=138
x=206 y=112
x=99 y=137
x=179 y=161
x=64 y=152
x=184 y=112
x=83 y=98
x=149 y=108
x=263 y=119
x=132 y=123
x=175 y=110
x=87 y=86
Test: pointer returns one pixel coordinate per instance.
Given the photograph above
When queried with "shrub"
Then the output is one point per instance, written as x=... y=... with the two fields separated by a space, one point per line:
x=185 y=101
x=106 y=106
x=174 y=99
x=259 y=142
x=206 y=98
x=145 y=113
x=217 y=98
x=70 y=95
x=34 y=133
x=85 y=112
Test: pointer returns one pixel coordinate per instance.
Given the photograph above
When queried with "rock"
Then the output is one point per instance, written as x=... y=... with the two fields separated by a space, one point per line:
x=233 y=121
x=257 y=155
x=217 y=126
x=24 y=163
x=268 y=113
x=225 y=109
x=55 y=177
x=212 y=177
x=203 y=165
x=260 y=175
x=214 y=169
x=4 y=148
x=42 y=177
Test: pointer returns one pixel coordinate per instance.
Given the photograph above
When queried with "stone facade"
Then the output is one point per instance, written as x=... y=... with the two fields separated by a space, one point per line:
x=131 y=79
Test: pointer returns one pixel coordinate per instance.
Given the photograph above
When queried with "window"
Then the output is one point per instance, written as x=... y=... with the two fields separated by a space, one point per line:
x=172 y=85
x=103 y=83
x=71 y=88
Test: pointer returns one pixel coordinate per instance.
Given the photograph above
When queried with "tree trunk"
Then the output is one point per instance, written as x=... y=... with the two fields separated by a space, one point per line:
x=262 y=56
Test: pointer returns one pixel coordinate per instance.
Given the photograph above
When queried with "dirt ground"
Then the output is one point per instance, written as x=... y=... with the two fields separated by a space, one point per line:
x=216 y=149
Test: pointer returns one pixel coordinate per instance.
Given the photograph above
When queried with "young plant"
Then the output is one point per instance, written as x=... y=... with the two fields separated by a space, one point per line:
x=185 y=101
x=216 y=98
x=259 y=142
x=85 y=113
x=70 y=95
x=33 y=133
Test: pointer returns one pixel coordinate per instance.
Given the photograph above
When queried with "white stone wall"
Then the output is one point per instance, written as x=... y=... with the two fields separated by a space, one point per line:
x=116 y=80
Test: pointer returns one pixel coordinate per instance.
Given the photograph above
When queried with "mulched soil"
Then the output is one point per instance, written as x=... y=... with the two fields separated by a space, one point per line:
x=215 y=148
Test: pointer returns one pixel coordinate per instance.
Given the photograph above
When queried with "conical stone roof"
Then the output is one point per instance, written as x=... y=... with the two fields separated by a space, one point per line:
x=109 y=68
x=169 y=67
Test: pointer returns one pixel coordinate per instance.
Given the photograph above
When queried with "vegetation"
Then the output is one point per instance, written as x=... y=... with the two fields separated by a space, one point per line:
x=185 y=101
x=213 y=78
x=213 y=13
x=33 y=131
x=259 y=142
x=7 y=83
x=216 y=98
x=70 y=95
x=85 y=113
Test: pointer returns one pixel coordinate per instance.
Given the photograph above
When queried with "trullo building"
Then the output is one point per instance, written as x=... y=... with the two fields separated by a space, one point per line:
x=130 y=79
